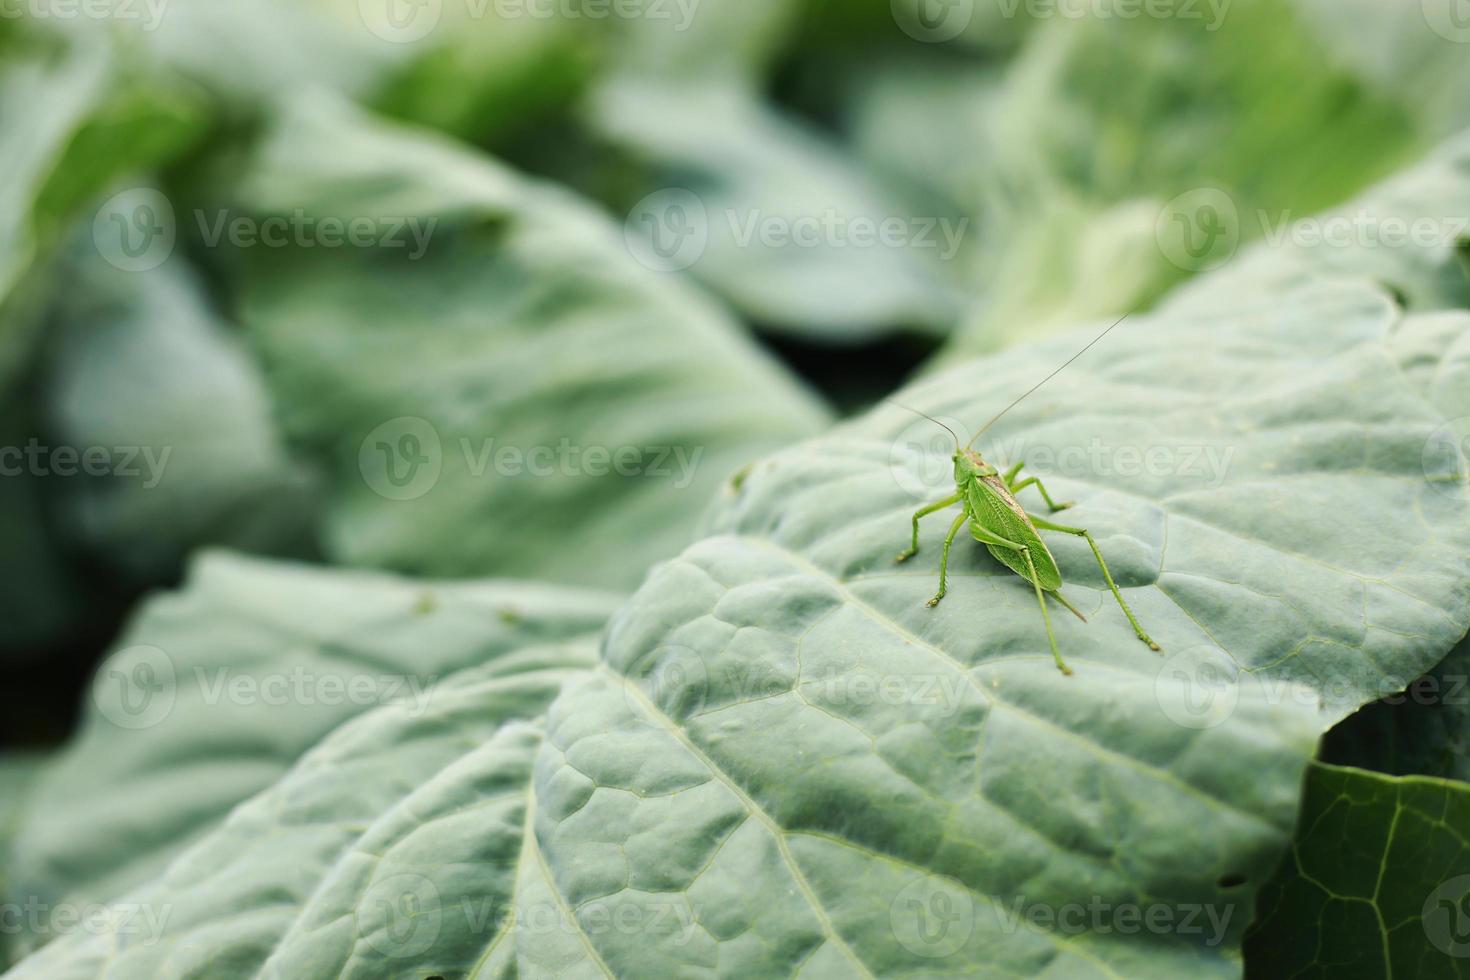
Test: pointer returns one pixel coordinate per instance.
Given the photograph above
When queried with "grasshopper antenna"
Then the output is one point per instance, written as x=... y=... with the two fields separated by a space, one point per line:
x=1043 y=381
x=930 y=418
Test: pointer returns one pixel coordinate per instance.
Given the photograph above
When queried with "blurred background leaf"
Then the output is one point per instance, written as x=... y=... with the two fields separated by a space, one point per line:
x=516 y=321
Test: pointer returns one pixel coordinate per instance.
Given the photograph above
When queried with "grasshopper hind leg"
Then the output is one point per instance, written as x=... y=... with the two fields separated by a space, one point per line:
x=1046 y=616
x=1107 y=575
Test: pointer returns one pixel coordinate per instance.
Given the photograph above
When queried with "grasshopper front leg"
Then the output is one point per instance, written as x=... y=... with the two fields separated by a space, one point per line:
x=954 y=529
x=1035 y=481
x=925 y=512
x=1046 y=525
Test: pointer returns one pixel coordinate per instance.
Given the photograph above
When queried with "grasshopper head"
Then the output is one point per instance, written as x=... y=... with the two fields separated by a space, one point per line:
x=968 y=463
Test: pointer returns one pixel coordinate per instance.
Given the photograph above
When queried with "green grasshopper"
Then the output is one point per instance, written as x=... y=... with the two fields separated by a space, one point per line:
x=998 y=521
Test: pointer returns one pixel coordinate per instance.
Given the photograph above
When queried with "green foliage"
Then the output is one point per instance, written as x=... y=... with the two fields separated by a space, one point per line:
x=381 y=298
x=518 y=320
x=1376 y=883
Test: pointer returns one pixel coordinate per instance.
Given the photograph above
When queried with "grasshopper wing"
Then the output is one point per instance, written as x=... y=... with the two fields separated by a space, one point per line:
x=994 y=508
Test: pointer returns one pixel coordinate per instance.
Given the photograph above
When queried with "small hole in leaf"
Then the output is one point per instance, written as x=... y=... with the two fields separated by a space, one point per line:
x=1231 y=880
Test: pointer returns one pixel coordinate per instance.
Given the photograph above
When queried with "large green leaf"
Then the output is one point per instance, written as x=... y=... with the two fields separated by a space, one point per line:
x=793 y=679
x=785 y=764
x=143 y=373
x=1377 y=883
x=572 y=411
x=215 y=691
x=399 y=843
